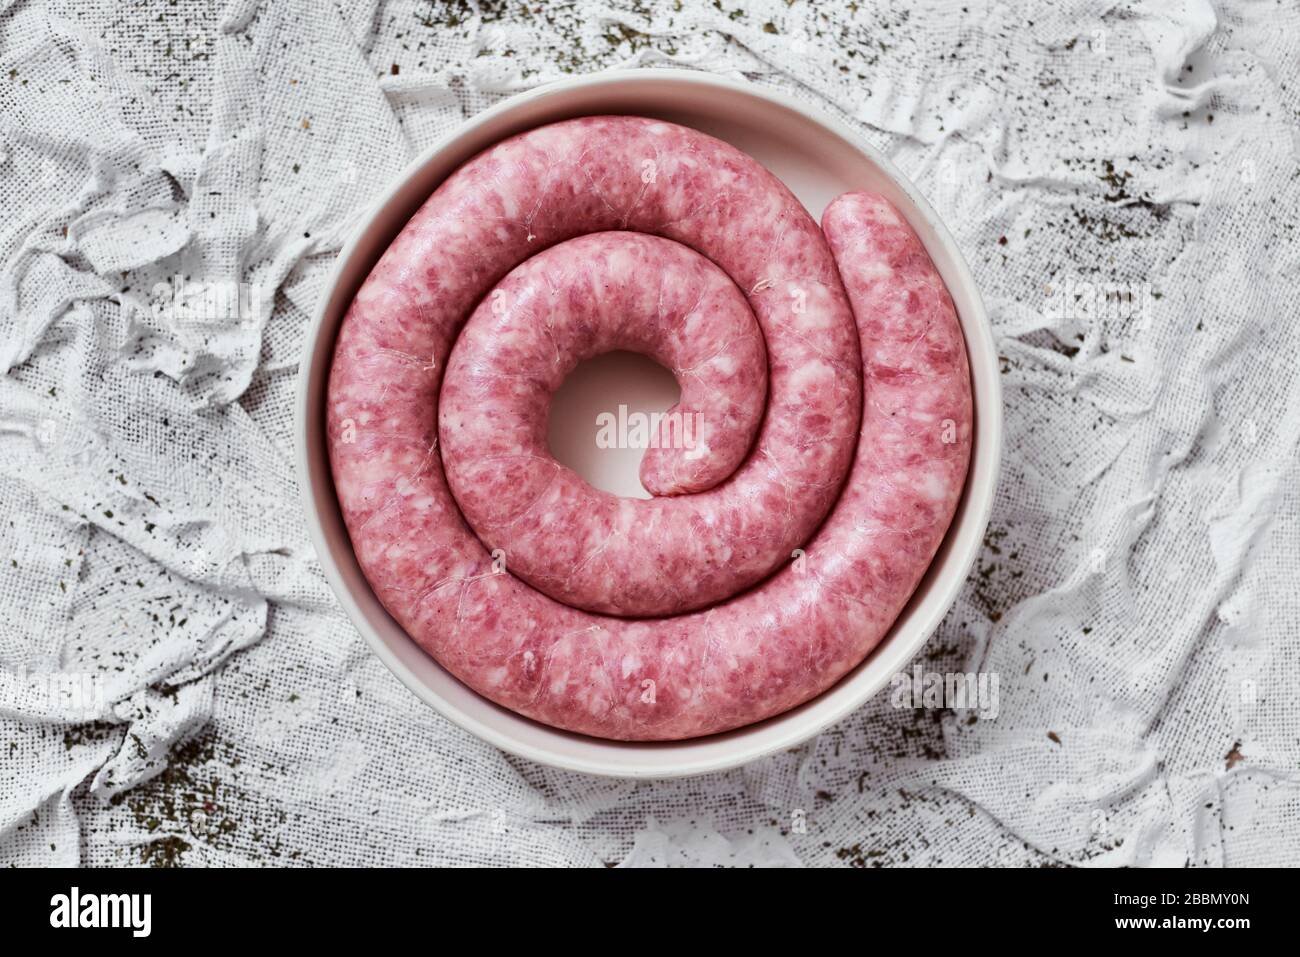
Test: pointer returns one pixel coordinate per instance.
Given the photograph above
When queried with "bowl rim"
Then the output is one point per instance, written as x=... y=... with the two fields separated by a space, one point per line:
x=988 y=430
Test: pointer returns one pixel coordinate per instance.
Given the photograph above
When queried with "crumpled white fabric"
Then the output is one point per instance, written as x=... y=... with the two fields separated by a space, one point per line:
x=1135 y=595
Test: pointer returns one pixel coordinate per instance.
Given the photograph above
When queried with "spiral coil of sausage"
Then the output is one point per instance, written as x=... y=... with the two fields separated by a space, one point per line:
x=801 y=486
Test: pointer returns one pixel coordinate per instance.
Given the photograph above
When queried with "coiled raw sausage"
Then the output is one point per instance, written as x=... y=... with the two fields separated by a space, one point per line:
x=791 y=536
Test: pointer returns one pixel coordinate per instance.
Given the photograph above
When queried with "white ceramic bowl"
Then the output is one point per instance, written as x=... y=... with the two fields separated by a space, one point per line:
x=818 y=158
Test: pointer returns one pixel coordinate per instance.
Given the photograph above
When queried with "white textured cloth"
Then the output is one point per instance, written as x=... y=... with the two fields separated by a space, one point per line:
x=1122 y=178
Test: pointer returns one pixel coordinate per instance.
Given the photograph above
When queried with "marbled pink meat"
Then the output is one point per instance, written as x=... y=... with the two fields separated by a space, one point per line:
x=602 y=552
x=880 y=390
